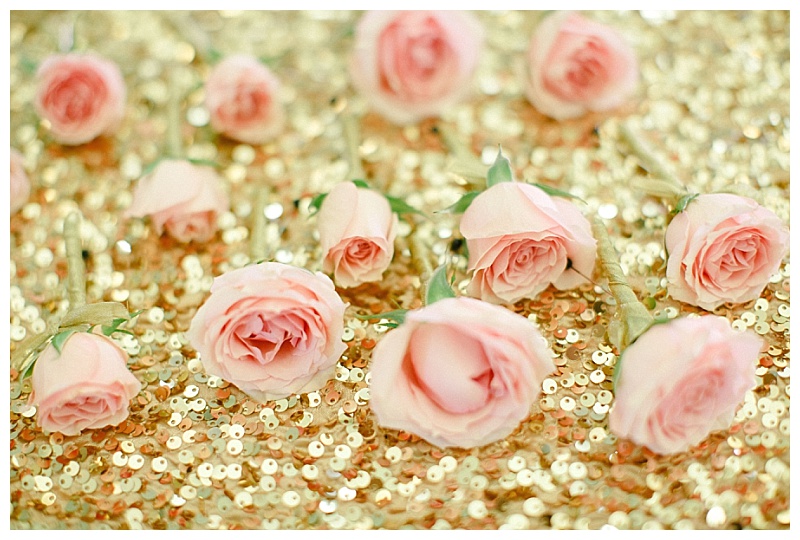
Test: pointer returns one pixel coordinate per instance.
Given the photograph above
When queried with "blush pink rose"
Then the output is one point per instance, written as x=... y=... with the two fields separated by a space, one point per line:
x=270 y=329
x=182 y=198
x=82 y=96
x=20 y=184
x=576 y=66
x=411 y=65
x=520 y=240
x=87 y=386
x=723 y=248
x=681 y=380
x=357 y=229
x=242 y=99
x=458 y=372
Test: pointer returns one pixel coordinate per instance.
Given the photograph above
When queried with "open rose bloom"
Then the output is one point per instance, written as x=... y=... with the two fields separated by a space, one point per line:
x=577 y=66
x=242 y=100
x=82 y=96
x=19 y=183
x=87 y=386
x=411 y=65
x=270 y=329
x=458 y=372
x=520 y=240
x=182 y=198
x=723 y=248
x=357 y=229
x=681 y=380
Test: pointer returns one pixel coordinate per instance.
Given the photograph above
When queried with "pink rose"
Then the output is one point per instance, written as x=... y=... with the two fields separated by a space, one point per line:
x=87 y=386
x=183 y=198
x=242 y=98
x=682 y=380
x=81 y=96
x=270 y=329
x=723 y=248
x=520 y=240
x=411 y=65
x=356 y=231
x=20 y=185
x=458 y=372
x=576 y=65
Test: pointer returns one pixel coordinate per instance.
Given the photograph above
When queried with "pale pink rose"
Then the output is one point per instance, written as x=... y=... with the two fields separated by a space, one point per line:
x=20 y=184
x=681 y=380
x=458 y=372
x=270 y=329
x=576 y=66
x=81 y=96
x=242 y=99
x=87 y=386
x=723 y=248
x=520 y=240
x=356 y=232
x=181 y=197
x=410 y=65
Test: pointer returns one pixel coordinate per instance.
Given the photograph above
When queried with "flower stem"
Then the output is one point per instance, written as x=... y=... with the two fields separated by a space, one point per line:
x=462 y=162
x=666 y=184
x=634 y=316
x=421 y=256
x=258 y=238
x=76 y=272
x=352 y=134
x=174 y=145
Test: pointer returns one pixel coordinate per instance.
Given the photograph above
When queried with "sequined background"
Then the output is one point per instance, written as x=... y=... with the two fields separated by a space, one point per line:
x=197 y=453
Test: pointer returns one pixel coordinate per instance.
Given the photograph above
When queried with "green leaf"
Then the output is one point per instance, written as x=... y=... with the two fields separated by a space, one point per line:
x=461 y=205
x=398 y=315
x=360 y=183
x=28 y=371
x=684 y=201
x=61 y=338
x=316 y=203
x=213 y=55
x=555 y=192
x=399 y=206
x=113 y=327
x=151 y=166
x=205 y=162
x=500 y=171
x=438 y=287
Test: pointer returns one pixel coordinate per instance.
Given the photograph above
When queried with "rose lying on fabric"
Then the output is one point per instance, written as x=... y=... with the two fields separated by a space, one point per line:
x=458 y=372
x=242 y=99
x=520 y=240
x=20 y=184
x=357 y=229
x=682 y=380
x=576 y=65
x=270 y=329
x=411 y=65
x=81 y=96
x=723 y=248
x=181 y=197
x=87 y=386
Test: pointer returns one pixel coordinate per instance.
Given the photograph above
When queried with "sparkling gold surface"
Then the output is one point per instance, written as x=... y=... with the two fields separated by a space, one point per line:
x=197 y=453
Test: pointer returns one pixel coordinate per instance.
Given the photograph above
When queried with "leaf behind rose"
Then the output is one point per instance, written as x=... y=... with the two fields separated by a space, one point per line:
x=399 y=206
x=684 y=201
x=461 y=205
x=397 y=315
x=555 y=192
x=316 y=203
x=438 y=287
x=500 y=171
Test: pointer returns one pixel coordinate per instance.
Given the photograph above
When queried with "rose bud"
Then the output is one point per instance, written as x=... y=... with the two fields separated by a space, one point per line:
x=242 y=99
x=681 y=380
x=520 y=240
x=182 y=198
x=81 y=96
x=356 y=232
x=723 y=248
x=270 y=329
x=20 y=184
x=86 y=386
x=577 y=66
x=411 y=65
x=458 y=372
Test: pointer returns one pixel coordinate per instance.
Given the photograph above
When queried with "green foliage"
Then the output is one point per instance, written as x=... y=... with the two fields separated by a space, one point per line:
x=461 y=205
x=438 y=287
x=500 y=171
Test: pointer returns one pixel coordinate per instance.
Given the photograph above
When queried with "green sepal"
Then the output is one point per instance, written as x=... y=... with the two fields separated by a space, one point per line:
x=60 y=338
x=360 y=183
x=28 y=371
x=438 y=287
x=555 y=192
x=398 y=316
x=150 y=167
x=316 y=203
x=461 y=205
x=500 y=171
x=28 y=66
x=615 y=375
x=213 y=55
x=399 y=206
x=684 y=201
x=204 y=162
